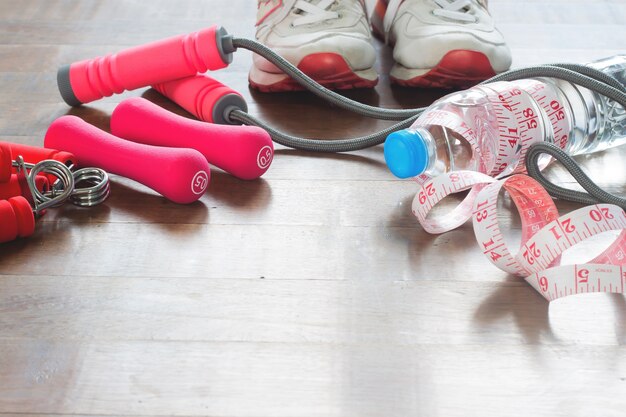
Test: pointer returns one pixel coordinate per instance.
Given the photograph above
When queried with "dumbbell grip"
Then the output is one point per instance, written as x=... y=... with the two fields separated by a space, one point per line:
x=144 y=65
x=179 y=174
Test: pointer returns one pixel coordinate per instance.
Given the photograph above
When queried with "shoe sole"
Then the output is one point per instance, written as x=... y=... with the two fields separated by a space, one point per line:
x=457 y=69
x=329 y=69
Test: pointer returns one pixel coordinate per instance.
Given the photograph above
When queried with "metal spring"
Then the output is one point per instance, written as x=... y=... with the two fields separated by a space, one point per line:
x=97 y=191
x=85 y=187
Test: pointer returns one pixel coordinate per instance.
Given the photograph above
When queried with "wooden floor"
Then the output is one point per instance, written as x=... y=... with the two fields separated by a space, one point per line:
x=310 y=292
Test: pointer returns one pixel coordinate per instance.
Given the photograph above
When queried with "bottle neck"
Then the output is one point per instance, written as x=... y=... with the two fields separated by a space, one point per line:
x=431 y=151
x=582 y=107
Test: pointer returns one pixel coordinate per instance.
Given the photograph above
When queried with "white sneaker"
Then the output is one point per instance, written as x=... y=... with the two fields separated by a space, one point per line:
x=329 y=40
x=441 y=43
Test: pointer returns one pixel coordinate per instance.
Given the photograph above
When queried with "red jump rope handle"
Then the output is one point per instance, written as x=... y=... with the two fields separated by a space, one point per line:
x=204 y=97
x=141 y=66
x=16 y=218
x=179 y=174
x=12 y=188
x=244 y=151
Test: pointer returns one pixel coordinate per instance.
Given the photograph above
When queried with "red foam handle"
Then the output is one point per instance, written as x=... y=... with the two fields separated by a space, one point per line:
x=35 y=154
x=12 y=188
x=179 y=174
x=16 y=219
x=141 y=66
x=204 y=97
x=244 y=151
x=6 y=162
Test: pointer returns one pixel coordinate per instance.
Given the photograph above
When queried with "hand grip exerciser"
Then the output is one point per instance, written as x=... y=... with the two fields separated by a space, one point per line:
x=141 y=66
x=14 y=187
x=244 y=151
x=27 y=194
x=179 y=174
x=6 y=162
x=31 y=155
x=34 y=154
x=17 y=219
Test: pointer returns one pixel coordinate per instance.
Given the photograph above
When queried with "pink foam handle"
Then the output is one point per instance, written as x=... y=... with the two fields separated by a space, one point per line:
x=141 y=66
x=202 y=96
x=244 y=151
x=179 y=174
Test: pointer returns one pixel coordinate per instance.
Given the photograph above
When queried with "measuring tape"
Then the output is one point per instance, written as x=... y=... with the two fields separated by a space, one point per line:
x=552 y=105
x=545 y=235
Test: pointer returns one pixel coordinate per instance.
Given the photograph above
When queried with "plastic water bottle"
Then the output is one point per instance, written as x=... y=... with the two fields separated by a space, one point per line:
x=488 y=128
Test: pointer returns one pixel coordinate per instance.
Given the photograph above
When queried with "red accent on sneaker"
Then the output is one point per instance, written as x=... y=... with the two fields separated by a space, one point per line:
x=381 y=8
x=457 y=69
x=377 y=18
x=329 y=69
x=269 y=12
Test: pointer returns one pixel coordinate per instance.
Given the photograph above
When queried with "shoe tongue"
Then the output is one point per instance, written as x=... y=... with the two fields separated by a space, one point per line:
x=390 y=15
x=287 y=6
x=483 y=3
x=323 y=4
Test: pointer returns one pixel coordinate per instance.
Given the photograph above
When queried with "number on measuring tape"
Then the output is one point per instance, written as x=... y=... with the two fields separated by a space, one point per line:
x=552 y=106
x=544 y=235
x=434 y=190
x=579 y=279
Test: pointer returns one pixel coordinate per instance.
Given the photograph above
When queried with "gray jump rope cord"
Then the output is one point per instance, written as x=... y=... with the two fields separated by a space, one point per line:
x=594 y=193
x=321 y=145
x=582 y=75
x=321 y=91
x=579 y=74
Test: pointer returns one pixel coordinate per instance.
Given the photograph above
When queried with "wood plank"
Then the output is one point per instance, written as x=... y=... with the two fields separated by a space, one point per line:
x=166 y=378
x=310 y=292
x=241 y=251
x=359 y=311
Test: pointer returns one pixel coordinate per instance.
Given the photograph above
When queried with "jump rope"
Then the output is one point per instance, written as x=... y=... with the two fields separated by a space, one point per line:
x=172 y=66
x=213 y=48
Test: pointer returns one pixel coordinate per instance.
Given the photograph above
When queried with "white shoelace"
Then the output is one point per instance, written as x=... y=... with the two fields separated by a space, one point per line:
x=454 y=10
x=314 y=13
x=457 y=10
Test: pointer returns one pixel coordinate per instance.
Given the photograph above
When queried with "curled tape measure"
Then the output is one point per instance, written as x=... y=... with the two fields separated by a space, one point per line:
x=520 y=114
x=545 y=235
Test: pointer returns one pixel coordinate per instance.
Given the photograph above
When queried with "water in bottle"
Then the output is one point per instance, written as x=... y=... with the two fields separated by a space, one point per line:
x=489 y=127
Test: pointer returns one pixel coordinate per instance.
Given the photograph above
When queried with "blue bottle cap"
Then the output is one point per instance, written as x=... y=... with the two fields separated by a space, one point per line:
x=406 y=153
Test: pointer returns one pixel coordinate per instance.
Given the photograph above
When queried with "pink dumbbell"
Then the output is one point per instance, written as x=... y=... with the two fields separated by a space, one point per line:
x=179 y=174
x=244 y=151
